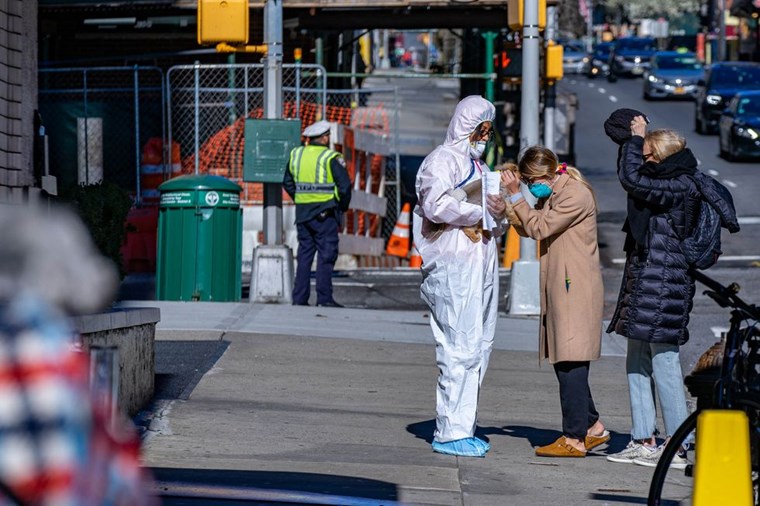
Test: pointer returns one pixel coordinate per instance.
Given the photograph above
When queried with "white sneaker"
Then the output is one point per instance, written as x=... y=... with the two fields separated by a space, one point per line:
x=651 y=460
x=633 y=451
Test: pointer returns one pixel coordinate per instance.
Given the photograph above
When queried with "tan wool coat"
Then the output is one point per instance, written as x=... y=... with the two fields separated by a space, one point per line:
x=572 y=294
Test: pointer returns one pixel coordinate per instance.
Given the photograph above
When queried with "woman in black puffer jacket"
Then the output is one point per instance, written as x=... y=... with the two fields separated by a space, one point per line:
x=657 y=289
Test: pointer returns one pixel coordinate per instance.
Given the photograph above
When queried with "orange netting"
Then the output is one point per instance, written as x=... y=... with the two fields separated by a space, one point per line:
x=222 y=154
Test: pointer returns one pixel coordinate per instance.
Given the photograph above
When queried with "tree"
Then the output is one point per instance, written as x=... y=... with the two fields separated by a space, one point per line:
x=655 y=8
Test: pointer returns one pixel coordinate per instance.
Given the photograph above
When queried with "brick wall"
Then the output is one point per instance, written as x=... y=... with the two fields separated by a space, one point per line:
x=18 y=96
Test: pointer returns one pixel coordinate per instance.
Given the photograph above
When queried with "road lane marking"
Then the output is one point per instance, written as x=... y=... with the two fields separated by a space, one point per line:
x=730 y=184
x=724 y=258
x=613 y=98
x=602 y=90
x=749 y=220
x=713 y=172
x=572 y=81
x=590 y=85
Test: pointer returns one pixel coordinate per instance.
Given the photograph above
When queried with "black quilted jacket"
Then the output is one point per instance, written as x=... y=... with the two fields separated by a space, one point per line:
x=656 y=293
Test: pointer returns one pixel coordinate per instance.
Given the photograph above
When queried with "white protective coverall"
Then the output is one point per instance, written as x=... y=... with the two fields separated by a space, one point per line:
x=460 y=277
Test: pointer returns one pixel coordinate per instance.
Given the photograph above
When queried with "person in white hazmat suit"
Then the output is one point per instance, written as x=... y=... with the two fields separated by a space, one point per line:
x=460 y=272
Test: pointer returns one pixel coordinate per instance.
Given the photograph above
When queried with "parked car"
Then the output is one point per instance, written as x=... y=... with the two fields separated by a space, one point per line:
x=630 y=56
x=739 y=126
x=722 y=81
x=599 y=60
x=574 y=58
x=672 y=74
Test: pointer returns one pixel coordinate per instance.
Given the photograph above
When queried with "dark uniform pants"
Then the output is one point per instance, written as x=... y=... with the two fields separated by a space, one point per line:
x=318 y=235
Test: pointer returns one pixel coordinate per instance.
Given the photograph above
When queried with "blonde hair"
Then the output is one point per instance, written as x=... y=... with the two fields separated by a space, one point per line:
x=541 y=162
x=664 y=143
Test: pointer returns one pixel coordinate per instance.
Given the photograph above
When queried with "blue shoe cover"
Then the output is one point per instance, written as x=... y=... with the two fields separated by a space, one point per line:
x=482 y=443
x=467 y=447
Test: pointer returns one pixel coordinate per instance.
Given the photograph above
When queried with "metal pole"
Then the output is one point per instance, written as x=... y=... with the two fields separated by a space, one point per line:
x=524 y=292
x=490 y=37
x=319 y=59
x=273 y=110
x=136 y=81
x=722 y=31
x=196 y=112
x=551 y=90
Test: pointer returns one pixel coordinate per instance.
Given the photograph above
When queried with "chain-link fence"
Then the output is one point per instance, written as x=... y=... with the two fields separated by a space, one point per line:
x=99 y=119
x=208 y=106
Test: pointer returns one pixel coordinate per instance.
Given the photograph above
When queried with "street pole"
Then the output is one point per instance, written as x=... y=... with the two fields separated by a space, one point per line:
x=722 y=31
x=551 y=89
x=490 y=37
x=273 y=110
x=524 y=291
x=272 y=275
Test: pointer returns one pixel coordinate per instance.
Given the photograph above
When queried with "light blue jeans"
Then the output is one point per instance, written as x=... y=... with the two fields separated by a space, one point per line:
x=649 y=365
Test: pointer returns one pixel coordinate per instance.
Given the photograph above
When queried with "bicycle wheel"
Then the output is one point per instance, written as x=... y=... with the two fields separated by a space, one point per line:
x=679 y=487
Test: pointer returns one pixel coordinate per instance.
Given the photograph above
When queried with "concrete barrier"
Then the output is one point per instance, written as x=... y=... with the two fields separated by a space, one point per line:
x=133 y=332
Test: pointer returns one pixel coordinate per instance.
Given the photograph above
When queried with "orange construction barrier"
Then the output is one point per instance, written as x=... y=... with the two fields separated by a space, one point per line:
x=415 y=262
x=398 y=244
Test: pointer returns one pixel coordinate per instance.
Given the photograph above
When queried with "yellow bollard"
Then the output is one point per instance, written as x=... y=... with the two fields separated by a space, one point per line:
x=722 y=472
x=511 y=249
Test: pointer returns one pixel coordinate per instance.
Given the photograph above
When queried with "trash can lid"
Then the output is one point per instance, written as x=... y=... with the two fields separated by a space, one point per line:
x=199 y=182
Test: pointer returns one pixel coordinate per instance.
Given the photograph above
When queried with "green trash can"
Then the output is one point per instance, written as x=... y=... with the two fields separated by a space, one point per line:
x=200 y=227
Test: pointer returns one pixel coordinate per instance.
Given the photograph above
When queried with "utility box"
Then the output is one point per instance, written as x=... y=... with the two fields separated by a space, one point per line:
x=222 y=21
x=268 y=143
x=200 y=229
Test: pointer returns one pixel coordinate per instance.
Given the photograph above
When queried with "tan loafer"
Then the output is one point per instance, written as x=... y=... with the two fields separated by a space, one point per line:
x=594 y=441
x=559 y=448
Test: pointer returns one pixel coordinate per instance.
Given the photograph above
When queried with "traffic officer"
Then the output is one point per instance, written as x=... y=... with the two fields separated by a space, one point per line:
x=317 y=181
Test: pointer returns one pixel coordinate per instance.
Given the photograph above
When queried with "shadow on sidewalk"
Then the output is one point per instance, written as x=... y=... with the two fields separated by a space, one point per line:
x=425 y=430
x=178 y=486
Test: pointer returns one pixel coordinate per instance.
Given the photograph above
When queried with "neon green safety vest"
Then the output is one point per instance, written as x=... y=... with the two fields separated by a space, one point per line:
x=310 y=168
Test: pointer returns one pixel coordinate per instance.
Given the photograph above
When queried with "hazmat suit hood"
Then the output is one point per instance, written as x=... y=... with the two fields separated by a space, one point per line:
x=470 y=112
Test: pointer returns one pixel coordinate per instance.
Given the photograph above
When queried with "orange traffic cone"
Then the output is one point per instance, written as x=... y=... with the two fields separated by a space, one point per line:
x=398 y=244
x=415 y=262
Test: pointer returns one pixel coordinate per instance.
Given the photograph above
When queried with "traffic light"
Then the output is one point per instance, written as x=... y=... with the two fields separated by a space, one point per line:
x=516 y=14
x=554 y=54
x=222 y=21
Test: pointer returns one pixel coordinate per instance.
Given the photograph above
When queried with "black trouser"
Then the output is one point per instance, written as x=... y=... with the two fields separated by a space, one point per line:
x=578 y=410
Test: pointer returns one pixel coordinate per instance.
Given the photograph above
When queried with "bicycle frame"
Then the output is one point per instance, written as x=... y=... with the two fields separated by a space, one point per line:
x=730 y=390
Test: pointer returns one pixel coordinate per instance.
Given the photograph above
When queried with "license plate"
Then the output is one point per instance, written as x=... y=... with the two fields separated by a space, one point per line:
x=637 y=70
x=679 y=90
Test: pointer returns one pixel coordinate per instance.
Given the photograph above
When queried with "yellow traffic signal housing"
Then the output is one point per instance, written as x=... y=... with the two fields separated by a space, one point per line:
x=222 y=21
x=554 y=54
x=516 y=14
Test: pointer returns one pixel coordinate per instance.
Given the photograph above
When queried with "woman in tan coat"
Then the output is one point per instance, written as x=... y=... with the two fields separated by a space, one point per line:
x=564 y=221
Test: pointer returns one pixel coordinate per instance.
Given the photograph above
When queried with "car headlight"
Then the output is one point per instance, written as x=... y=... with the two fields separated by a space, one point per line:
x=748 y=133
x=654 y=79
x=585 y=59
x=713 y=99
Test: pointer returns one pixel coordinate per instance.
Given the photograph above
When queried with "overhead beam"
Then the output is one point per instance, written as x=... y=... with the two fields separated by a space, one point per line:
x=401 y=19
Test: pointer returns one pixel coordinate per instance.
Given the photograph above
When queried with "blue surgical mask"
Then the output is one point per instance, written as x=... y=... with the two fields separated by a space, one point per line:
x=477 y=149
x=540 y=190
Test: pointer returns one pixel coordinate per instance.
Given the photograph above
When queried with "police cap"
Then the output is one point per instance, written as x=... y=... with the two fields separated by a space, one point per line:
x=317 y=129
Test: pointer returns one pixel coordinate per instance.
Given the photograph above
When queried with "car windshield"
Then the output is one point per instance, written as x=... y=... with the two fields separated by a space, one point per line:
x=573 y=48
x=602 y=52
x=635 y=45
x=737 y=75
x=678 y=63
x=749 y=106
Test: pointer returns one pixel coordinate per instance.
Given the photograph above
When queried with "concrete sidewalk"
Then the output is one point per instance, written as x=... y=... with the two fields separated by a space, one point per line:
x=336 y=406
